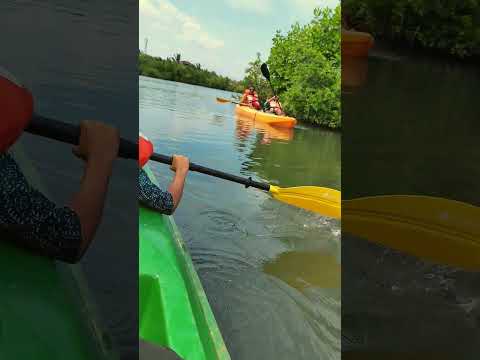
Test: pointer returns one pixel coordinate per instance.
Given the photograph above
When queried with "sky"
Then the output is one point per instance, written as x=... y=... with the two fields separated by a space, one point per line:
x=222 y=35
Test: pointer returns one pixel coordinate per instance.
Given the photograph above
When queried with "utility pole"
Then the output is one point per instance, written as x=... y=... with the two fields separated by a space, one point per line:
x=146 y=45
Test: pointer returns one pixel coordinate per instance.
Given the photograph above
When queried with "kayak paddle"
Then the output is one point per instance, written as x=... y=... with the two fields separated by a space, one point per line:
x=224 y=101
x=266 y=74
x=436 y=229
x=440 y=230
x=324 y=201
x=321 y=200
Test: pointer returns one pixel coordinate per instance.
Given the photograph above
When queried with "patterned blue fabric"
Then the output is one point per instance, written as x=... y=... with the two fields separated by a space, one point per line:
x=36 y=222
x=150 y=195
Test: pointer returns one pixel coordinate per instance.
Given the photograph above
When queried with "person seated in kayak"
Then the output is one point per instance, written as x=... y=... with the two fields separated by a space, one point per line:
x=250 y=98
x=27 y=217
x=150 y=195
x=274 y=106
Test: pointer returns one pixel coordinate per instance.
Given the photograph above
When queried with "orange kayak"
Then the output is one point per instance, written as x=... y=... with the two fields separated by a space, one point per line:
x=356 y=43
x=271 y=119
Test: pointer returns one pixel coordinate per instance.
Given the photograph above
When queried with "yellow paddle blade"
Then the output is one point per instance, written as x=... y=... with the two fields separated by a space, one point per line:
x=321 y=200
x=222 y=100
x=440 y=230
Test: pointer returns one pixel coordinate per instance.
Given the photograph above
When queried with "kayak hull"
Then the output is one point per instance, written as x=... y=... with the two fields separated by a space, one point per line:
x=46 y=309
x=356 y=43
x=43 y=311
x=271 y=119
x=174 y=310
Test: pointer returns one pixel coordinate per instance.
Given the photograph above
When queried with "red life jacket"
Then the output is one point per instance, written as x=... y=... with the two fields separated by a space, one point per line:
x=16 y=109
x=145 y=150
x=251 y=98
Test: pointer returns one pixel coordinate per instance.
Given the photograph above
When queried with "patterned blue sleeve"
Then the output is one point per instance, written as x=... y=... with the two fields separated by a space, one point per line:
x=152 y=196
x=37 y=222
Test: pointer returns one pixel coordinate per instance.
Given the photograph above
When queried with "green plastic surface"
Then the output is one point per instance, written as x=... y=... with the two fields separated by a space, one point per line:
x=174 y=310
x=45 y=311
x=39 y=316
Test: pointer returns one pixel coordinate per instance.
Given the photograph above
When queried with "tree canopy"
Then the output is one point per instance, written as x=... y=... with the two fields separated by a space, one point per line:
x=449 y=26
x=175 y=69
x=305 y=67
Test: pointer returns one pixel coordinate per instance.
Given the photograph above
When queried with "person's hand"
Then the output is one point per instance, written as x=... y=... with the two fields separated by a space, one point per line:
x=180 y=164
x=98 y=142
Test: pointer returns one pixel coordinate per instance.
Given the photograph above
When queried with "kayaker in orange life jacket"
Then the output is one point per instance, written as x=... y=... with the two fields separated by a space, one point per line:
x=150 y=194
x=27 y=217
x=275 y=106
x=250 y=98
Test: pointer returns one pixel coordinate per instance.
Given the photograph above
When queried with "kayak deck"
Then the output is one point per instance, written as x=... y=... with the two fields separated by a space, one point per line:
x=174 y=310
x=46 y=311
x=271 y=119
x=43 y=318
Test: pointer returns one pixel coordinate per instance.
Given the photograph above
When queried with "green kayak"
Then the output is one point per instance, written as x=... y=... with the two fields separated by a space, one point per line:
x=45 y=310
x=174 y=310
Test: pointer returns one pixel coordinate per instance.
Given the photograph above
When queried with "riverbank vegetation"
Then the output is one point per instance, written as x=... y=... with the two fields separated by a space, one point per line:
x=451 y=27
x=305 y=70
x=175 y=69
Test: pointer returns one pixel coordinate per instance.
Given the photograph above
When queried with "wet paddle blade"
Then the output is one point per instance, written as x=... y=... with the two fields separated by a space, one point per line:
x=321 y=200
x=440 y=230
x=222 y=100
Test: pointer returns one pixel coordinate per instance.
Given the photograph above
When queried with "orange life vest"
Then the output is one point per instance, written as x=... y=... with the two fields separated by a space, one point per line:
x=145 y=150
x=16 y=109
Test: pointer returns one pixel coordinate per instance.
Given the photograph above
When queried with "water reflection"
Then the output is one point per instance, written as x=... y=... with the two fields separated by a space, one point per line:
x=302 y=270
x=245 y=127
x=354 y=72
x=414 y=125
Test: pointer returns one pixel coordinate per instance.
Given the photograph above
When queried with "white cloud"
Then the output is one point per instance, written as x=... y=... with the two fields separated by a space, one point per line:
x=162 y=15
x=311 y=4
x=265 y=7
x=259 y=7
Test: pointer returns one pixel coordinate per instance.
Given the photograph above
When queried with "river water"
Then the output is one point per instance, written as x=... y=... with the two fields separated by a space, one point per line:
x=411 y=126
x=271 y=271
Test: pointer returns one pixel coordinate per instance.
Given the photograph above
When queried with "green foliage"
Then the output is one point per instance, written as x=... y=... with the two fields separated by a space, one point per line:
x=451 y=26
x=176 y=70
x=305 y=67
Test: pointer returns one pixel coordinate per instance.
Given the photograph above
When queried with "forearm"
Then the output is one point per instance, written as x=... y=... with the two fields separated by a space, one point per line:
x=88 y=202
x=176 y=187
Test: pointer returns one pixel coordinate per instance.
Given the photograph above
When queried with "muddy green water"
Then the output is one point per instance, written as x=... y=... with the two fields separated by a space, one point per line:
x=271 y=271
x=411 y=126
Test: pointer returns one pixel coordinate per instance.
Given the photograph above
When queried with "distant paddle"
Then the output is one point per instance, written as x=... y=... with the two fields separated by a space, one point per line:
x=225 y=101
x=266 y=74
x=265 y=71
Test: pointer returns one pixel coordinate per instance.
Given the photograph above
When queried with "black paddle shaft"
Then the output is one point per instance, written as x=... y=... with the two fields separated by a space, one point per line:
x=69 y=133
x=266 y=74
x=219 y=174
